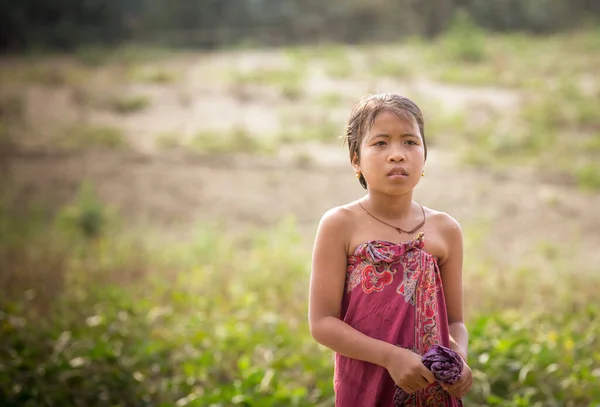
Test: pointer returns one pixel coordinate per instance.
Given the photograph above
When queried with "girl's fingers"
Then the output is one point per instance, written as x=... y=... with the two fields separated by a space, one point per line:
x=464 y=389
x=408 y=389
x=422 y=383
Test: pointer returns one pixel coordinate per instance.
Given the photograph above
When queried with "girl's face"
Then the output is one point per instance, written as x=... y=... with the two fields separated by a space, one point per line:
x=392 y=155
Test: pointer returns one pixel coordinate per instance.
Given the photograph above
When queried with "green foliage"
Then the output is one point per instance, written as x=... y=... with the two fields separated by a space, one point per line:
x=392 y=69
x=152 y=74
x=129 y=54
x=131 y=104
x=94 y=136
x=533 y=15
x=221 y=320
x=289 y=82
x=73 y=24
x=588 y=176
x=330 y=99
x=555 y=363
x=340 y=70
x=321 y=130
x=564 y=107
x=236 y=140
x=464 y=41
x=480 y=75
x=86 y=217
x=92 y=56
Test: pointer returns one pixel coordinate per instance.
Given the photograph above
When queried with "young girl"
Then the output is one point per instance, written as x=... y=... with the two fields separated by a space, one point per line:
x=386 y=281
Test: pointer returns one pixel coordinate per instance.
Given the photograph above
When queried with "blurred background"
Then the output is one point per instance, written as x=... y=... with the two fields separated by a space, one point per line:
x=165 y=164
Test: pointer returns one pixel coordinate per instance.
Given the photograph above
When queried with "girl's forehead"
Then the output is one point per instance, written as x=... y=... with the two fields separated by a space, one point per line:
x=387 y=119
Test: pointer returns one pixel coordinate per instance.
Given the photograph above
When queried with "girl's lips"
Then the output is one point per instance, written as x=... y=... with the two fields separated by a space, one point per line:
x=397 y=171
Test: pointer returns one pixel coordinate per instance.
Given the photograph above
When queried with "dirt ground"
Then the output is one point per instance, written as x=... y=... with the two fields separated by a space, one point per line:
x=176 y=190
x=515 y=209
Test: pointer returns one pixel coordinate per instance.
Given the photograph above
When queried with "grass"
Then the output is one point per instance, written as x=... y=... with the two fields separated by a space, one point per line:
x=43 y=71
x=550 y=132
x=550 y=126
x=127 y=54
x=330 y=99
x=327 y=54
x=552 y=123
x=340 y=70
x=102 y=314
x=320 y=129
x=93 y=56
x=94 y=136
x=514 y=60
x=588 y=176
x=464 y=41
x=129 y=104
x=238 y=140
x=288 y=82
x=152 y=74
x=168 y=140
x=95 y=313
x=391 y=69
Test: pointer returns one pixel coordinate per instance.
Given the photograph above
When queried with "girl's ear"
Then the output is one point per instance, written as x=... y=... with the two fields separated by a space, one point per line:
x=355 y=162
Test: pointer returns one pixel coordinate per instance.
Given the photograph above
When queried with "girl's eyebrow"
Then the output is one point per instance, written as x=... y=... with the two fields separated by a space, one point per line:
x=388 y=136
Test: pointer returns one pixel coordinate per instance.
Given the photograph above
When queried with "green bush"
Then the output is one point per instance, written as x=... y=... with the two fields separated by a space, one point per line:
x=464 y=41
x=536 y=360
x=221 y=320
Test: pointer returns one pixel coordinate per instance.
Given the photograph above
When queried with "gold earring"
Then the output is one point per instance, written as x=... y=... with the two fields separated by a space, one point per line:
x=358 y=174
x=423 y=174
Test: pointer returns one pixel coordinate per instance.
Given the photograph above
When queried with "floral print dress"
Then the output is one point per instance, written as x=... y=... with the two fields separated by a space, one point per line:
x=393 y=293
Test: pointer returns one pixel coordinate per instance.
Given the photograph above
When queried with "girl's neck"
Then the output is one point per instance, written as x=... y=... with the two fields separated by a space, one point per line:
x=390 y=207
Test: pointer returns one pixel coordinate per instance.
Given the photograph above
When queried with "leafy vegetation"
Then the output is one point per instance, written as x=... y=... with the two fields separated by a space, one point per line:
x=79 y=24
x=289 y=82
x=237 y=140
x=95 y=314
x=94 y=136
x=130 y=104
x=152 y=74
x=99 y=315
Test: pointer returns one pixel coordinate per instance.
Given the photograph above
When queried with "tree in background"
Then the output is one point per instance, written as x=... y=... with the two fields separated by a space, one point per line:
x=68 y=24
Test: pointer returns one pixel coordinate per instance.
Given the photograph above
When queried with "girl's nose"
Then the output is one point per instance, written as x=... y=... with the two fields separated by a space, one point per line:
x=396 y=154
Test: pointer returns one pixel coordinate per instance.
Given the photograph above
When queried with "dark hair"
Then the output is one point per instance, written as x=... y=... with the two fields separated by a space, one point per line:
x=366 y=110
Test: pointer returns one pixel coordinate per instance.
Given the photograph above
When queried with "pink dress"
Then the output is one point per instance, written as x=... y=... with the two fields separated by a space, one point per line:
x=393 y=293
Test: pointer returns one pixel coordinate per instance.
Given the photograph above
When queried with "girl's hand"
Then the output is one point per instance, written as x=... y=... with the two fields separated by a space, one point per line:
x=407 y=370
x=463 y=385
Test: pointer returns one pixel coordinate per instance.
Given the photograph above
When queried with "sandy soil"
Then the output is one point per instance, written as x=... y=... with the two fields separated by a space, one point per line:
x=176 y=189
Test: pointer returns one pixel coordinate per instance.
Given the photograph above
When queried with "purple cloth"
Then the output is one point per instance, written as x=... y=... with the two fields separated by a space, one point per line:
x=445 y=364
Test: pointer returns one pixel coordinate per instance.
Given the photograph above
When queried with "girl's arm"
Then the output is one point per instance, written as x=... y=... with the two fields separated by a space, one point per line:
x=451 y=271
x=326 y=289
x=327 y=283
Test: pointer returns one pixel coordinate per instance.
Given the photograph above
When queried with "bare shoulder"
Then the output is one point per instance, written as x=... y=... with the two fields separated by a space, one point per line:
x=338 y=222
x=338 y=217
x=445 y=234
x=443 y=222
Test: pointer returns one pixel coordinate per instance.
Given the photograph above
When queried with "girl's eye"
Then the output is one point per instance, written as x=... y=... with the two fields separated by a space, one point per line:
x=411 y=142
x=380 y=143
